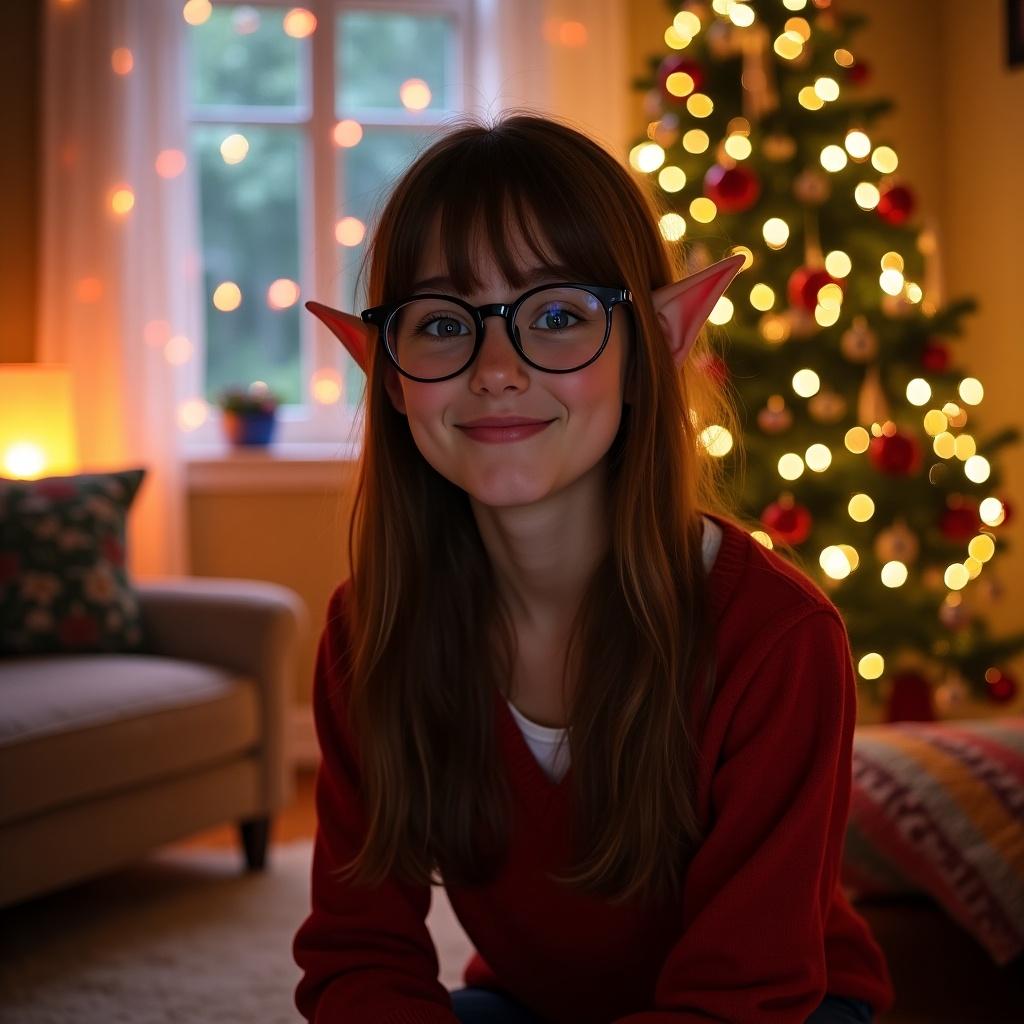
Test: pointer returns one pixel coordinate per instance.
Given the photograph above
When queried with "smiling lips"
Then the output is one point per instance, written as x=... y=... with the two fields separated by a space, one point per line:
x=501 y=421
x=496 y=430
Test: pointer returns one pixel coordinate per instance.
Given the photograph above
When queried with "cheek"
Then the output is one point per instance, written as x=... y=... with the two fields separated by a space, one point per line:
x=597 y=391
x=429 y=413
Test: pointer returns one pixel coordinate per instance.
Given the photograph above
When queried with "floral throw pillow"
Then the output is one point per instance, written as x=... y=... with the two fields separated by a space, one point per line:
x=63 y=585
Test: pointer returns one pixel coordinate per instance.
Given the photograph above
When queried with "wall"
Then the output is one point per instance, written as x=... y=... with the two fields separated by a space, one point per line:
x=19 y=174
x=982 y=164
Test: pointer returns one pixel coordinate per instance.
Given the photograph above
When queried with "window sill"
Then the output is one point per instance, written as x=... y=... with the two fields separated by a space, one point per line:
x=283 y=466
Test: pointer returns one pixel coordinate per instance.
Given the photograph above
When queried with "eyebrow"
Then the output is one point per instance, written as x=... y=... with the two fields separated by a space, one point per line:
x=533 y=276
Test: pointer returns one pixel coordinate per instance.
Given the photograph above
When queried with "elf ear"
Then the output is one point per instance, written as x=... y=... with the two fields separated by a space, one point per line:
x=684 y=306
x=347 y=328
x=354 y=334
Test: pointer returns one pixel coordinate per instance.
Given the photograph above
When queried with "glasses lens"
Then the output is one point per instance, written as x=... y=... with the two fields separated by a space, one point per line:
x=561 y=328
x=558 y=328
x=431 y=337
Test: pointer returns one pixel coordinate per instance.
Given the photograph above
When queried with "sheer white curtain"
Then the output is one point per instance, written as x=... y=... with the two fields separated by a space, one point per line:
x=564 y=57
x=115 y=287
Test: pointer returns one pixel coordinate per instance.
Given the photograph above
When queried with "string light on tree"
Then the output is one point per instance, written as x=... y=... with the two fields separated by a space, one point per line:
x=884 y=160
x=833 y=158
x=673 y=227
x=857 y=144
x=861 y=508
x=672 y=178
x=646 y=157
x=806 y=383
x=776 y=232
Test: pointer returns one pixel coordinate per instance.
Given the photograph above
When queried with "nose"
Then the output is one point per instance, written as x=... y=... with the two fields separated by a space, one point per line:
x=497 y=361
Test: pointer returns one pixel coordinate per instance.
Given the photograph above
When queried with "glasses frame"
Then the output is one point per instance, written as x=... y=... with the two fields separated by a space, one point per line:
x=381 y=317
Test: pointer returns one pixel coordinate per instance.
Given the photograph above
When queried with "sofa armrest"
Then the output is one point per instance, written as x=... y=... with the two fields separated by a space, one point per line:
x=249 y=627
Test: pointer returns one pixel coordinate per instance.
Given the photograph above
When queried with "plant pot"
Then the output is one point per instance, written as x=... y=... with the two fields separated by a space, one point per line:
x=255 y=429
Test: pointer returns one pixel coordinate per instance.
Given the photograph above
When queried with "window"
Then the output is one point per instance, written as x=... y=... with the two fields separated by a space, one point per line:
x=300 y=120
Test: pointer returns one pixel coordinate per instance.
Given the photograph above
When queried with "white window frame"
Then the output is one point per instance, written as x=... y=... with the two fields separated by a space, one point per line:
x=303 y=426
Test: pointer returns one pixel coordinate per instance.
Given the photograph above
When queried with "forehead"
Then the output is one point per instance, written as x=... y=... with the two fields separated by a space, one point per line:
x=480 y=264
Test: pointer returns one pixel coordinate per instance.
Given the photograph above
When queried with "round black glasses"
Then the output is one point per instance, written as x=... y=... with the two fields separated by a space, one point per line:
x=555 y=328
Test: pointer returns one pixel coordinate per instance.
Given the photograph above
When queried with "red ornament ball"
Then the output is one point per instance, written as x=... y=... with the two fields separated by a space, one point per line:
x=895 y=455
x=858 y=72
x=896 y=204
x=673 y=63
x=804 y=285
x=731 y=189
x=960 y=523
x=935 y=356
x=1001 y=686
x=787 y=522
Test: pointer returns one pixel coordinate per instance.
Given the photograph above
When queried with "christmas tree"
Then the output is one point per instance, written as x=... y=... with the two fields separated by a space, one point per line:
x=863 y=461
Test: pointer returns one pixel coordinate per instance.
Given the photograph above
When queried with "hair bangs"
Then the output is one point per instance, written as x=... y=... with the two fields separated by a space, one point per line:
x=496 y=193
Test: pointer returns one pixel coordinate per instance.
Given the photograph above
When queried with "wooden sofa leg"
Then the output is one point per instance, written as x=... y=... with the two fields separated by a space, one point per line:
x=255 y=833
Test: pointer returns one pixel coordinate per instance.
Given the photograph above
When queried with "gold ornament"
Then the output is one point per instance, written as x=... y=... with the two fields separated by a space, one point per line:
x=859 y=342
x=774 y=418
x=812 y=186
x=760 y=92
x=774 y=328
x=872 y=405
x=778 y=148
x=897 y=543
x=827 y=406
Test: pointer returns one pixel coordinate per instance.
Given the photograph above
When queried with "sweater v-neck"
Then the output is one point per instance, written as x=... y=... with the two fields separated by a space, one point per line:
x=721 y=583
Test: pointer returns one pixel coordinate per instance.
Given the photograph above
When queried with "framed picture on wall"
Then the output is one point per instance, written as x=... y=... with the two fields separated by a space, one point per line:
x=1015 y=33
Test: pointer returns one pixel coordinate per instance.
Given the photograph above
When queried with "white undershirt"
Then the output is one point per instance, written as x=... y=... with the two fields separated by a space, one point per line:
x=546 y=743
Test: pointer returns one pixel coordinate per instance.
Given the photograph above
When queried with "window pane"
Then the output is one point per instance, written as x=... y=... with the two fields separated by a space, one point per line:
x=242 y=55
x=379 y=50
x=250 y=226
x=366 y=174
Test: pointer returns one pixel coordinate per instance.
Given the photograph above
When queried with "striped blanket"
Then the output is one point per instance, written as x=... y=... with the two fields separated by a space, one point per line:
x=938 y=807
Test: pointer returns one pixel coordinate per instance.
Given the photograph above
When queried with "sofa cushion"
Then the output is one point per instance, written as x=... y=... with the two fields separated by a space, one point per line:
x=63 y=584
x=78 y=726
x=938 y=808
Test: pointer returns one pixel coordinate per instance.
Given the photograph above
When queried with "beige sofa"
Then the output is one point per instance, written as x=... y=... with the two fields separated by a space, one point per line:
x=105 y=756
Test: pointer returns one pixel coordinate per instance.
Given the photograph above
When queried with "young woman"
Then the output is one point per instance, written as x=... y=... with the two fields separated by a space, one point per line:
x=561 y=675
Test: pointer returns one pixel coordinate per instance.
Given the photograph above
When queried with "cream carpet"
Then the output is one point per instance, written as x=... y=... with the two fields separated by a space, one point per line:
x=182 y=936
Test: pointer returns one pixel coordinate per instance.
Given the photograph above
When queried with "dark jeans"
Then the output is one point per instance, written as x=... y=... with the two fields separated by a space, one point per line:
x=483 y=1006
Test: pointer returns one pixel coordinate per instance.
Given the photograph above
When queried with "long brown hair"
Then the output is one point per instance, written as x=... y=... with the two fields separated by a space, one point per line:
x=425 y=611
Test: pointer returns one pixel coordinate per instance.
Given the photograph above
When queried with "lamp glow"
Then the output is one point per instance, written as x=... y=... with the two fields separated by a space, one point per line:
x=37 y=426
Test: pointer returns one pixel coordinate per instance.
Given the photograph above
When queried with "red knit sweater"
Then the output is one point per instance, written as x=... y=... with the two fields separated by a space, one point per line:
x=763 y=928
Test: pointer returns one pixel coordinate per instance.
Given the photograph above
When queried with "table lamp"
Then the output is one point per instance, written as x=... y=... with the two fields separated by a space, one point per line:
x=37 y=436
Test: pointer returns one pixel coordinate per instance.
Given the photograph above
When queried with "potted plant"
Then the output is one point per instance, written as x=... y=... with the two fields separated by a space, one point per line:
x=249 y=415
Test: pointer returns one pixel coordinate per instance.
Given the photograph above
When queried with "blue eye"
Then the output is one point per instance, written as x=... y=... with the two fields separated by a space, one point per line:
x=557 y=311
x=437 y=318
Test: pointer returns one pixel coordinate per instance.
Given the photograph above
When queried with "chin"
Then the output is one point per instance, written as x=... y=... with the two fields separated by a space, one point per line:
x=506 y=497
